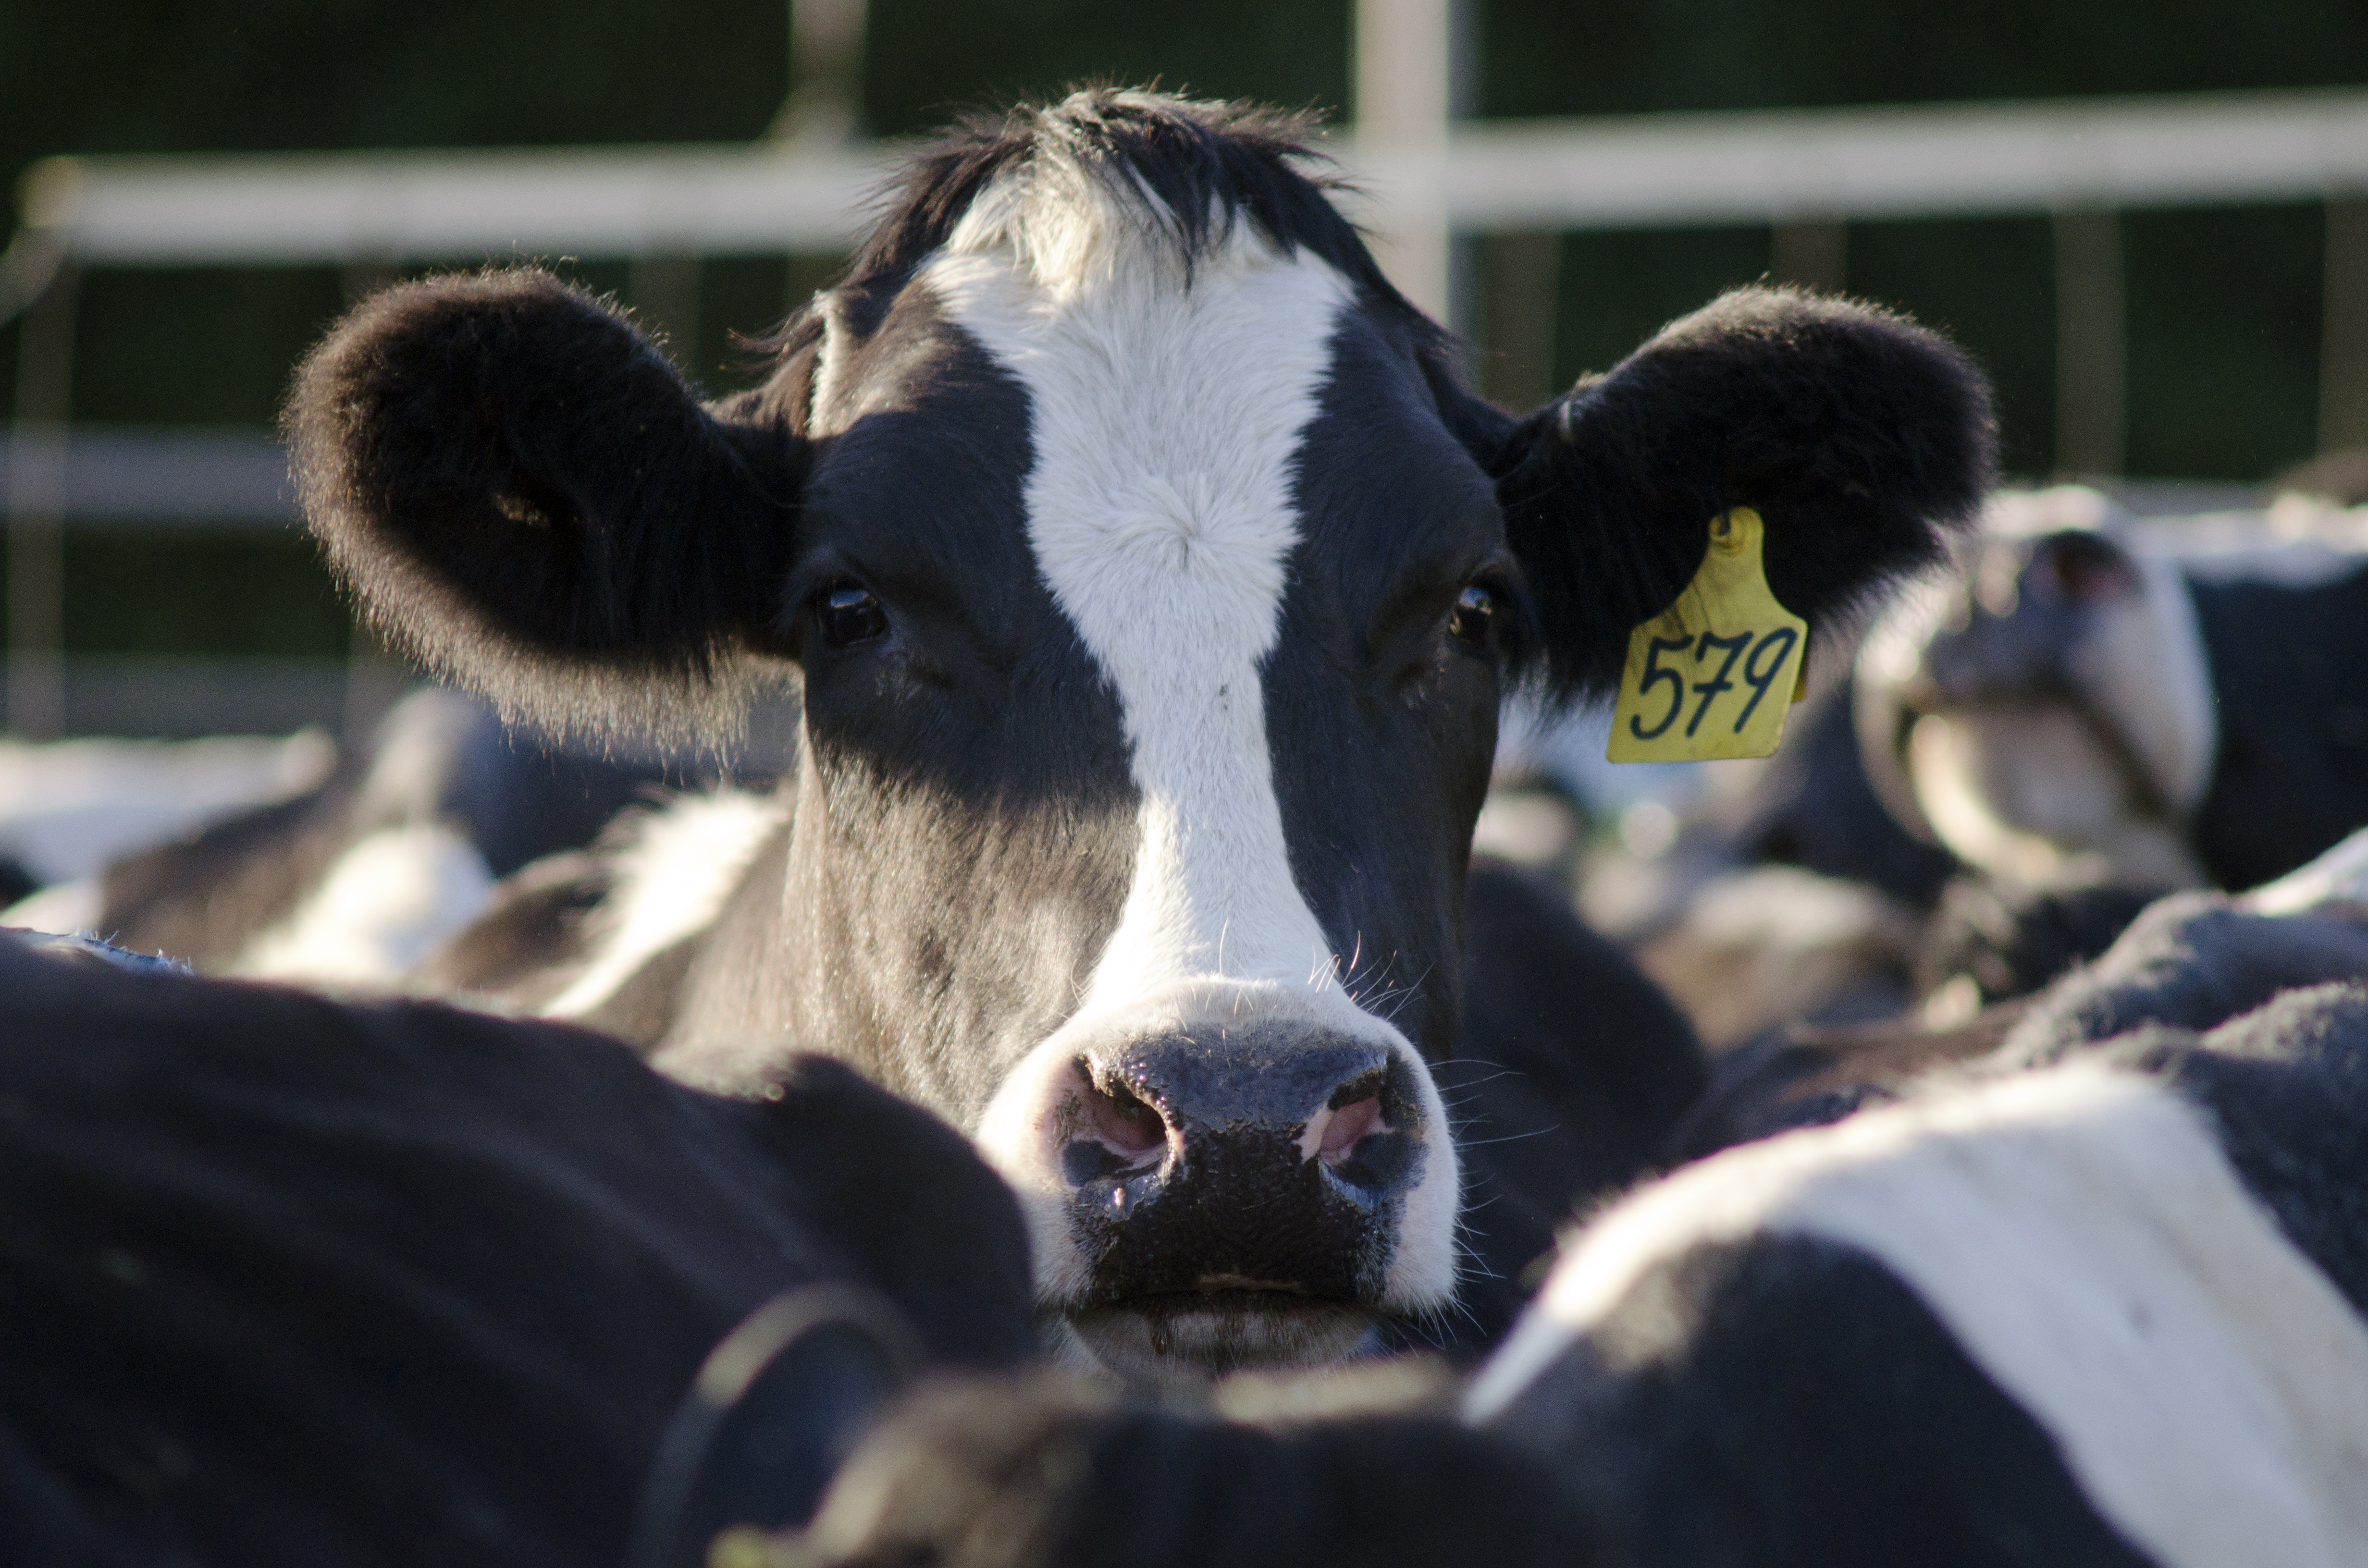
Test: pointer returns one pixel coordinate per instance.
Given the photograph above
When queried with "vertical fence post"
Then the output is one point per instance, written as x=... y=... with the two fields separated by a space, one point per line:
x=1810 y=253
x=663 y=291
x=1405 y=76
x=1519 y=293
x=37 y=509
x=2092 y=349
x=825 y=98
x=2343 y=340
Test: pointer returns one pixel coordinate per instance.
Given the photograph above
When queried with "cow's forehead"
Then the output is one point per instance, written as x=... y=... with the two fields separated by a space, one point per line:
x=1166 y=420
x=1259 y=407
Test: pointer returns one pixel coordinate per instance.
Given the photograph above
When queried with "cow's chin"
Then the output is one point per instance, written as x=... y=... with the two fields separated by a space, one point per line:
x=1191 y=1338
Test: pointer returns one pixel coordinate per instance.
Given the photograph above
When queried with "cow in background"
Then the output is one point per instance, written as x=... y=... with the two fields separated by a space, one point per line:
x=2096 y=698
x=357 y=880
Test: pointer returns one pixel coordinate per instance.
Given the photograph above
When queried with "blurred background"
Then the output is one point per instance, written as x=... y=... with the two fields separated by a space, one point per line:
x=2183 y=337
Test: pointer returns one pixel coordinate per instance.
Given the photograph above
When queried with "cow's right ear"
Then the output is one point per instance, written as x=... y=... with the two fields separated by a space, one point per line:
x=523 y=493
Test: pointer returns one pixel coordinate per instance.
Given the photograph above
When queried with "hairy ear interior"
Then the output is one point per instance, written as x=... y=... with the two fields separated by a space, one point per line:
x=1861 y=438
x=522 y=493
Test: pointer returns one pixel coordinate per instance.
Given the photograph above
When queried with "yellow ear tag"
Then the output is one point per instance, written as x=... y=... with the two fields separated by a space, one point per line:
x=1711 y=676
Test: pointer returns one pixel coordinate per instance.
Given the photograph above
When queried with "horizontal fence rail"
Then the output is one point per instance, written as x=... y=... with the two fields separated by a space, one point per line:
x=434 y=207
x=1634 y=172
x=1941 y=161
x=202 y=478
x=118 y=476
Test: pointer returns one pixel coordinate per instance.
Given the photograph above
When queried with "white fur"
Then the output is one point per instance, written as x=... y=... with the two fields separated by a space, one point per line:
x=2034 y=795
x=69 y=807
x=2145 y=665
x=2080 y=1234
x=2338 y=877
x=387 y=903
x=1166 y=421
x=2297 y=541
x=672 y=879
x=59 y=908
x=2032 y=513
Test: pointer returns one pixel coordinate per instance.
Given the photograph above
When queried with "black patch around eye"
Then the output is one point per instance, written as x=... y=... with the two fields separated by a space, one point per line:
x=1473 y=617
x=848 y=615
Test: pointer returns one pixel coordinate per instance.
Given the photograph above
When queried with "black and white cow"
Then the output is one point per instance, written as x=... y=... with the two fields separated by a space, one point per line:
x=2152 y=703
x=2100 y=1299
x=1152 y=584
x=355 y=881
x=288 y=1282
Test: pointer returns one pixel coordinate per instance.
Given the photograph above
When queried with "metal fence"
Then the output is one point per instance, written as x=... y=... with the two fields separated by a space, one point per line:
x=1427 y=180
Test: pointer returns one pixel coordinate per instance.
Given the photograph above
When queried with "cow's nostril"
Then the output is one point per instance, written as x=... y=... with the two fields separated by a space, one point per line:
x=1121 y=1120
x=1348 y=1126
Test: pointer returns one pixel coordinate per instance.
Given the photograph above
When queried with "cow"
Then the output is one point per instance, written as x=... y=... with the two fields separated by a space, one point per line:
x=2101 y=1298
x=67 y=808
x=1151 y=583
x=2093 y=699
x=286 y=1280
x=355 y=881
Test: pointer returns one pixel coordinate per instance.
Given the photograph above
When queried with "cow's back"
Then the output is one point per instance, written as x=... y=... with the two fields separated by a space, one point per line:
x=292 y=1282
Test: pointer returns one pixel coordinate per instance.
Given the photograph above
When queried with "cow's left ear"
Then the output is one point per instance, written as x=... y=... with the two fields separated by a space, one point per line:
x=523 y=493
x=1859 y=438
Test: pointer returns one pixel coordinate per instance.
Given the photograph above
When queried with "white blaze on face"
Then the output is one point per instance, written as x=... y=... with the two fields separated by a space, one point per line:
x=1166 y=422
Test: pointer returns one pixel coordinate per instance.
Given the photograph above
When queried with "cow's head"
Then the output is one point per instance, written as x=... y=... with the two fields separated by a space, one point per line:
x=2045 y=709
x=1153 y=584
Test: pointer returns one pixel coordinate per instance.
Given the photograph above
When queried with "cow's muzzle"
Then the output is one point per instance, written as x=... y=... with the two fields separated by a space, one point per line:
x=1235 y=1193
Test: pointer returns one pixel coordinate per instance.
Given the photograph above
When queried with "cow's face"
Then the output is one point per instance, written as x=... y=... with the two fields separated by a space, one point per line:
x=2046 y=710
x=1150 y=629
x=1153 y=589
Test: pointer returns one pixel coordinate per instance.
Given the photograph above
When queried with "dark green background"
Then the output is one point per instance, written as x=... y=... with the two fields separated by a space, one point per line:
x=2223 y=304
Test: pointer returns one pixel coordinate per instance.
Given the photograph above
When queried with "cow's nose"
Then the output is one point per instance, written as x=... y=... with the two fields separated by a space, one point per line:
x=1169 y=1098
x=1218 y=1159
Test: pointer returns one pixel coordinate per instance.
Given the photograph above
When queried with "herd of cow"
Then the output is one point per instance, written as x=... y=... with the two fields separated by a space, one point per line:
x=1093 y=1107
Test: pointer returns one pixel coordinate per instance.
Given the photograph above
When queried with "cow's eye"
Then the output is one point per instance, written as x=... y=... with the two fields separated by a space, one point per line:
x=849 y=615
x=1473 y=615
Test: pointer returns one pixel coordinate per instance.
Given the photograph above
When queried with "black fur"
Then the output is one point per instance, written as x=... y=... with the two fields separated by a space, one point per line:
x=1809 y=1075
x=286 y=1281
x=1190 y=172
x=523 y=945
x=1788 y=1403
x=524 y=493
x=2012 y=940
x=2287 y=1084
x=1573 y=1070
x=1047 y=1475
x=2192 y=961
x=1857 y=437
x=2290 y=685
